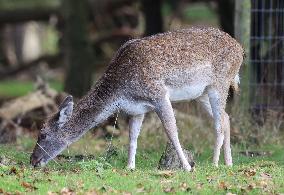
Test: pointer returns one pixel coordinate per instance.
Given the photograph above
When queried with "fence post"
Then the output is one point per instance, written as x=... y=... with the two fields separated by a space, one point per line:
x=242 y=34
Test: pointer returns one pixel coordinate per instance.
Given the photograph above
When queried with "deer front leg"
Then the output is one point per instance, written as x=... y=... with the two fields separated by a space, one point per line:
x=215 y=101
x=135 y=124
x=166 y=114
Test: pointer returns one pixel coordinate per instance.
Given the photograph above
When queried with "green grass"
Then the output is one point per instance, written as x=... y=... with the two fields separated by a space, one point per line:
x=200 y=13
x=14 y=88
x=258 y=175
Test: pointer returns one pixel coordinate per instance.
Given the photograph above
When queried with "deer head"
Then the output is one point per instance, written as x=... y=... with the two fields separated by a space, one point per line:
x=52 y=138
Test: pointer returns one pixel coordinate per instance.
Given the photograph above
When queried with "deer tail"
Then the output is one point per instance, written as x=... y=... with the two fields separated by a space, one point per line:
x=235 y=83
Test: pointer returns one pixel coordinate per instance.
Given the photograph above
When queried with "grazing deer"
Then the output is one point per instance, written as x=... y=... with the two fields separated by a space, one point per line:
x=147 y=75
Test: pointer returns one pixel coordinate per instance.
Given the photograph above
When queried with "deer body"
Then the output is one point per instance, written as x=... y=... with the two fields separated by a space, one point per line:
x=147 y=75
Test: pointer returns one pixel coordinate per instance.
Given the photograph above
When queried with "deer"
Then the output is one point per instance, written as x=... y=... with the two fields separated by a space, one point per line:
x=149 y=74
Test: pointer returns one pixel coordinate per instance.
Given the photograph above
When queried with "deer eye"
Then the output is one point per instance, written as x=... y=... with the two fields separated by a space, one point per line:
x=42 y=136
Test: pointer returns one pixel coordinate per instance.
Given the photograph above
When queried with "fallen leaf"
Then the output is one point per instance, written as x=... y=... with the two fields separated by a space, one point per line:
x=184 y=187
x=51 y=193
x=169 y=190
x=231 y=173
x=112 y=191
x=223 y=185
x=67 y=191
x=80 y=184
x=75 y=170
x=263 y=184
x=229 y=193
x=199 y=186
x=251 y=186
x=28 y=186
x=46 y=170
x=13 y=171
x=92 y=192
x=140 y=188
x=165 y=181
x=165 y=173
x=249 y=172
x=265 y=176
x=17 y=193
x=210 y=179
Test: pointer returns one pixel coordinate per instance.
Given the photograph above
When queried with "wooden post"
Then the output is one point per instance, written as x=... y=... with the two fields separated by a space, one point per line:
x=242 y=34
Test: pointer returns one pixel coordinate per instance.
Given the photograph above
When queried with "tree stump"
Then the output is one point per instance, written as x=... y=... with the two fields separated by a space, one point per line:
x=170 y=160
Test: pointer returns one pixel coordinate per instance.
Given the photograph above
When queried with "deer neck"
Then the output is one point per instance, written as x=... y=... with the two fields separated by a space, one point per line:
x=89 y=112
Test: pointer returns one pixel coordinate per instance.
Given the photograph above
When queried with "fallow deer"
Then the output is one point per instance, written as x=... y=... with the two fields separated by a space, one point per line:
x=146 y=75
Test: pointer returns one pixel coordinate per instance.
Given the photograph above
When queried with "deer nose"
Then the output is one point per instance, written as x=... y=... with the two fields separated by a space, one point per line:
x=35 y=160
x=192 y=164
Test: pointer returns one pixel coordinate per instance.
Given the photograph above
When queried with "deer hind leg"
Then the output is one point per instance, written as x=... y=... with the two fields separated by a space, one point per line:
x=225 y=127
x=227 y=145
x=215 y=102
x=166 y=114
x=205 y=103
x=135 y=124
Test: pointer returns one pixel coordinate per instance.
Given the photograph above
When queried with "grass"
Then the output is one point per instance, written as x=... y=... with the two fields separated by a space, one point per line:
x=15 y=88
x=200 y=13
x=257 y=175
x=249 y=175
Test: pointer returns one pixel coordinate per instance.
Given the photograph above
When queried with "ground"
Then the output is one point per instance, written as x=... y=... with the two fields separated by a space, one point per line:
x=250 y=175
x=101 y=172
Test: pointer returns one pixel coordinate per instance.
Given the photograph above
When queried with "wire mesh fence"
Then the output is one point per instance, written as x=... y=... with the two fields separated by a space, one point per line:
x=267 y=56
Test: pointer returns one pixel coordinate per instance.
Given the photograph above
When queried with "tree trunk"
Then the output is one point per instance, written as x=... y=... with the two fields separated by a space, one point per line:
x=153 y=16
x=226 y=15
x=242 y=34
x=170 y=160
x=3 y=59
x=79 y=55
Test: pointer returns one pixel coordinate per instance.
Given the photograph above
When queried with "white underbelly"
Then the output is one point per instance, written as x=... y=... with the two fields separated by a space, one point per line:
x=183 y=93
x=135 y=108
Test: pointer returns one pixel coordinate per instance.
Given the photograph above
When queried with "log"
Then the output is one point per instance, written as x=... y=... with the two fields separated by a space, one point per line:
x=24 y=104
x=13 y=111
x=8 y=131
x=51 y=60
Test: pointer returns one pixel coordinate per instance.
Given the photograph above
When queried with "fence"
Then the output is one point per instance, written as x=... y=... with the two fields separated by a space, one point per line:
x=267 y=56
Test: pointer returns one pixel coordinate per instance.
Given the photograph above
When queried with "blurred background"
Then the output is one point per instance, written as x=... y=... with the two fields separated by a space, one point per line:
x=50 y=48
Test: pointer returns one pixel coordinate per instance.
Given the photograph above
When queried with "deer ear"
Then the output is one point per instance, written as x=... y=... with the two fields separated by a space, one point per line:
x=65 y=110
